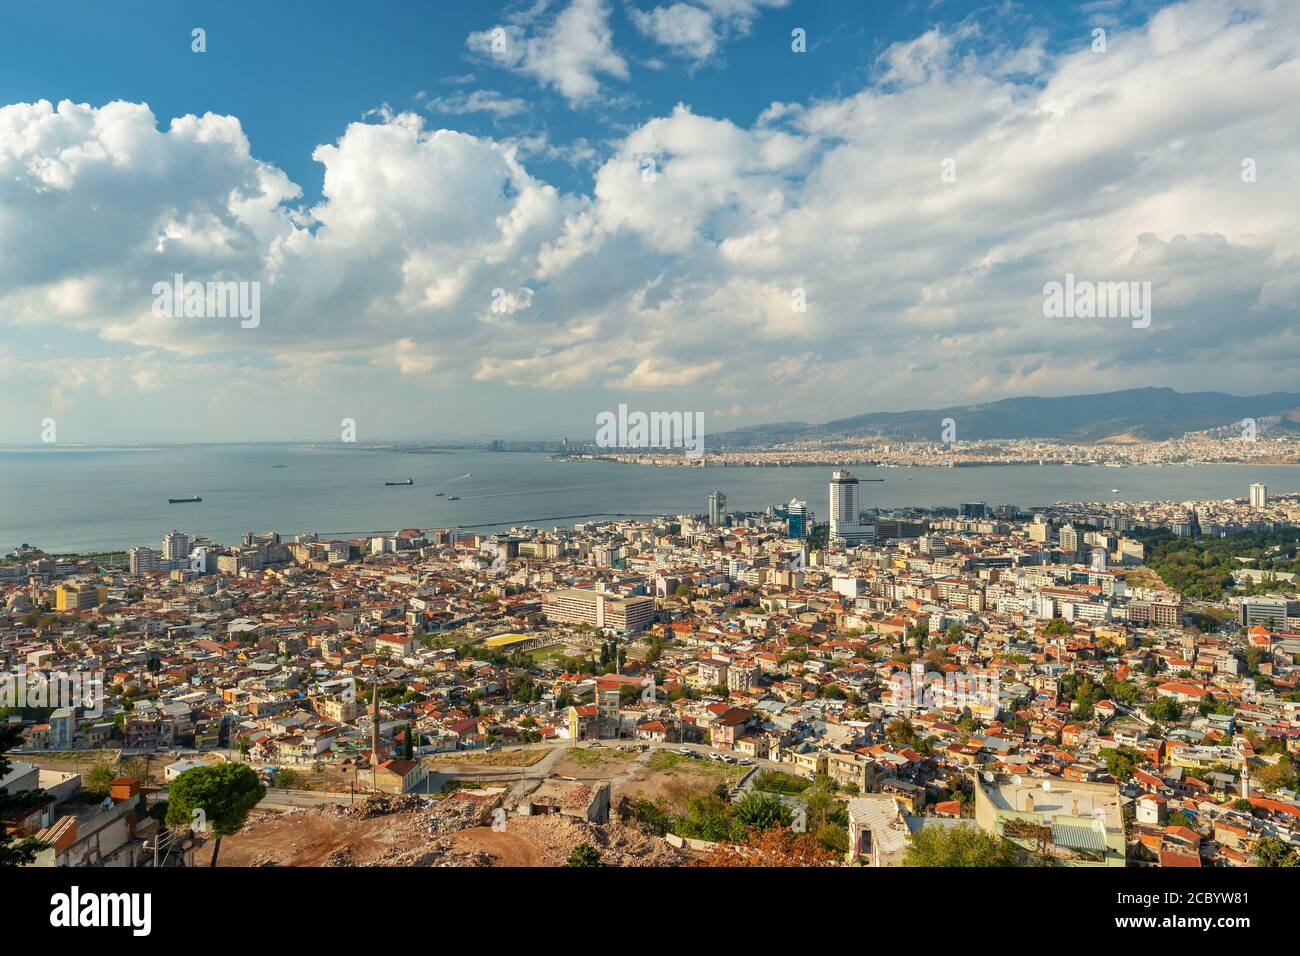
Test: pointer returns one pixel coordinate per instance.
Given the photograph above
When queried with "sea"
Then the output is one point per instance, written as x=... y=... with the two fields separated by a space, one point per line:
x=66 y=499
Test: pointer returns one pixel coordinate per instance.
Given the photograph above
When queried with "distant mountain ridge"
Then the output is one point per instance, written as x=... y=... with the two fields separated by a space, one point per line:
x=1135 y=414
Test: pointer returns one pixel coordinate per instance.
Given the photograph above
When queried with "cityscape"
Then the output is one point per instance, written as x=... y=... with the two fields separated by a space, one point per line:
x=642 y=691
x=523 y=456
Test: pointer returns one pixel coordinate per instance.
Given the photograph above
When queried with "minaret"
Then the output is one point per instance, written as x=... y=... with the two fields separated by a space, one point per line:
x=374 y=725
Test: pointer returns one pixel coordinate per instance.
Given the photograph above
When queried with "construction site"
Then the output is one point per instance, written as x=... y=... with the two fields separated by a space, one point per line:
x=487 y=812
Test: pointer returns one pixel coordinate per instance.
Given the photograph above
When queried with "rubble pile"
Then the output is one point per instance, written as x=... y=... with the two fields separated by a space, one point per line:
x=556 y=837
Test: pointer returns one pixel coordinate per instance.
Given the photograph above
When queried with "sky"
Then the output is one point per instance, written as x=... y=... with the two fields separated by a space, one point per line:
x=482 y=220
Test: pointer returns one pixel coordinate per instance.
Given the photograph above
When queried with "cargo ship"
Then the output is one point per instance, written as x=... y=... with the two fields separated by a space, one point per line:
x=391 y=484
x=183 y=501
x=454 y=498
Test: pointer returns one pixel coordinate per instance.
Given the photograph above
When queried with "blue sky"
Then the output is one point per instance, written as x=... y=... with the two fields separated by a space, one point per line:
x=389 y=178
x=296 y=73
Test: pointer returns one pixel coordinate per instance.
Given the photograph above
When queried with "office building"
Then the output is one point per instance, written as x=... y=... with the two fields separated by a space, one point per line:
x=798 y=520
x=599 y=609
x=1269 y=612
x=78 y=596
x=847 y=526
x=717 y=508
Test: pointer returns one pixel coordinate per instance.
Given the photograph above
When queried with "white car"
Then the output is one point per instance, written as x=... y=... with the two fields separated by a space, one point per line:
x=713 y=756
x=746 y=762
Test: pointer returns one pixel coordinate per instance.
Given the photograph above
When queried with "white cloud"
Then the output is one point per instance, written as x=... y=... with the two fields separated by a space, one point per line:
x=477 y=101
x=696 y=30
x=569 y=54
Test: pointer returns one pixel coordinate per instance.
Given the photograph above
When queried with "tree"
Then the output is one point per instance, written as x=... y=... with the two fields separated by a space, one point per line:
x=223 y=794
x=1120 y=761
x=962 y=845
x=15 y=852
x=584 y=854
x=761 y=811
x=1271 y=851
x=97 y=780
x=1165 y=709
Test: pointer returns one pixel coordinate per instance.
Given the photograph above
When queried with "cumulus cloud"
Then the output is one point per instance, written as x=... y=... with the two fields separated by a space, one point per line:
x=569 y=54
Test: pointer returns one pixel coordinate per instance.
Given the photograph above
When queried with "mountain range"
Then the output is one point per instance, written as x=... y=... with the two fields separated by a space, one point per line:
x=1130 y=415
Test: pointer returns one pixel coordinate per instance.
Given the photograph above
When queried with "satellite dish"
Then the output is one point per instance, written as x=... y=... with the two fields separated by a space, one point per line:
x=1047 y=785
x=988 y=776
x=1016 y=780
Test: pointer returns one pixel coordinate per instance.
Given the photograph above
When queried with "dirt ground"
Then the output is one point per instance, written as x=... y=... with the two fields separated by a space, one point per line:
x=408 y=831
x=600 y=763
x=670 y=779
x=495 y=758
x=304 y=838
x=505 y=848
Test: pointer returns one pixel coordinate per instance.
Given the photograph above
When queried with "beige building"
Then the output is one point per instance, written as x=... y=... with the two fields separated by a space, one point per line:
x=600 y=609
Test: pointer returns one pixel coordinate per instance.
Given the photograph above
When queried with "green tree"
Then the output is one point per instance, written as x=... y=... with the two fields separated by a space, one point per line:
x=96 y=781
x=223 y=793
x=761 y=811
x=1165 y=709
x=1271 y=851
x=1120 y=761
x=15 y=852
x=962 y=845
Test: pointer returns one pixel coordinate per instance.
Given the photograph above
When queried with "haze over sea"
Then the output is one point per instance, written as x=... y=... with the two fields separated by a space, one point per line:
x=82 y=499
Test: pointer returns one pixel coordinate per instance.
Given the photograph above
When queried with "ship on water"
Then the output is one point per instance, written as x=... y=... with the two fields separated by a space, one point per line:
x=183 y=501
x=391 y=484
x=454 y=498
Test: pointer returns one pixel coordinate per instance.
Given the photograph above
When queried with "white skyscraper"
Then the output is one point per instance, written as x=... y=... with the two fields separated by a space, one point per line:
x=1258 y=495
x=846 y=521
